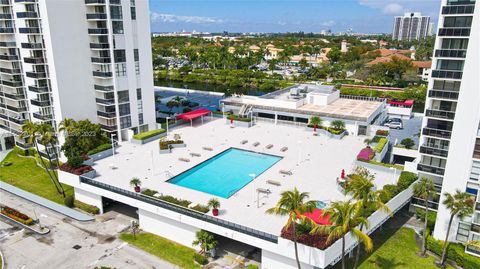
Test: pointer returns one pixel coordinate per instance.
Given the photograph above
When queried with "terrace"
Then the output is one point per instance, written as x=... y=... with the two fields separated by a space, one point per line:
x=315 y=162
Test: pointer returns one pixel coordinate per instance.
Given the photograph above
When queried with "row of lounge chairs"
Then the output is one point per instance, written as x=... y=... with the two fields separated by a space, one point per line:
x=269 y=146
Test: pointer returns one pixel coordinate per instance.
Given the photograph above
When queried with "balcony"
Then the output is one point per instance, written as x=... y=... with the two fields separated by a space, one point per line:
x=431 y=169
x=103 y=88
x=27 y=15
x=108 y=128
x=97 y=31
x=10 y=70
x=19 y=121
x=5 y=16
x=34 y=60
x=16 y=97
x=95 y=2
x=40 y=103
x=115 y=2
x=36 y=75
x=5 y=2
x=26 y=1
x=452 y=95
x=13 y=84
x=8 y=44
x=23 y=144
x=108 y=115
x=440 y=114
x=102 y=74
x=454 y=32
x=29 y=30
x=451 y=53
x=449 y=10
x=425 y=149
x=44 y=117
x=436 y=132
x=16 y=109
x=107 y=102
x=38 y=89
x=6 y=30
x=7 y=57
x=99 y=45
x=96 y=16
x=447 y=74
x=32 y=45
x=101 y=60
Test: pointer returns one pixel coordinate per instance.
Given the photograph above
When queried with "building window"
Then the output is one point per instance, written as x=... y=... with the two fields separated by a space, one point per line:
x=456 y=65
x=117 y=27
x=125 y=122
x=458 y=21
x=136 y=55
x=463 y=231
x=124 y=109
x=133 y=13
x=119 y=56
x=137 y=68
x=140 y=118
x=139 y=94
x=116 y=12
x=121 y=69
x=140 y=106
x=123 y=97
x=476 y=150
x=446 y=85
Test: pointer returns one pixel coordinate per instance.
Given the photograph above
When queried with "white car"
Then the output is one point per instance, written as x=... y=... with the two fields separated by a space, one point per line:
x=395 y=125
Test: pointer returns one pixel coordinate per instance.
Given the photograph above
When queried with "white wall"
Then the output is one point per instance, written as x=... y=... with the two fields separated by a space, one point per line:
x=271 y=260
x=89 y=198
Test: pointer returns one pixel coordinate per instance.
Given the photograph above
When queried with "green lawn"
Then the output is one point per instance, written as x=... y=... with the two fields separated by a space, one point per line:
x=394 y=249
x=164 y=249
x=25 y=174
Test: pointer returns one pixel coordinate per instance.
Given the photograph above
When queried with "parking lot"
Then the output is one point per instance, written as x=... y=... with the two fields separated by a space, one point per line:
x=411 y=129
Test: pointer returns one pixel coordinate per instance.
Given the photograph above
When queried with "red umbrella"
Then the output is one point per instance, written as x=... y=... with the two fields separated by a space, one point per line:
x=315 y=127
x=343 y=174
x=231 y=120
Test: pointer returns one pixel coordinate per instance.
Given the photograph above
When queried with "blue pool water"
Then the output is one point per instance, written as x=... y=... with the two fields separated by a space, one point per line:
x=226 y=173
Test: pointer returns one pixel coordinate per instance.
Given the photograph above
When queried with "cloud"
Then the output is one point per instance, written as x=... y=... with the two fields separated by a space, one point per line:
x=329 y=23
x=171 y=18
x=393 y=9
x=398 y=7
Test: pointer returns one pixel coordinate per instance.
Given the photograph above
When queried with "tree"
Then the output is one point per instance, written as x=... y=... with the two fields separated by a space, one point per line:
x=135 y=227
x=425 y=190
x=171 y=104
x=303 y=64
x=334 y=55
x=408 y=143
x=66 y=125
x=338 y=125
x=294 y=204
x=272 y=65
x=361 y=187
x=345 y=217
x=316 y=122
x=367 y=141
x=460 y=205
x=82 y=137
x=205 y=240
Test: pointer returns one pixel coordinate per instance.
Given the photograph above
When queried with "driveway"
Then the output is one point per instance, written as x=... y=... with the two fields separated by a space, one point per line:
x=70 y=244
x=411 y=129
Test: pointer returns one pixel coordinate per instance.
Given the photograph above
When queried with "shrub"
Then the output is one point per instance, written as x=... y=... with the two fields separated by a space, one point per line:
x=149 y=192
x=406 y=179
x=77 y=171
x=100 y=148
x=69 y=201
x=408 y=143
x=365 y=155
x=149 y=134
x=382 y=132
x=252 y=266
x=187 y=109
x=313 y=240
x=87 y=208
x=381 y=144
x=338 y=125
x=201 y=208
x=164 y=144
x=75 y=161
x=200 y=259
x=389 y=191
x=173 y=200
x=431 y=218
x=16 y=215
x=238 y=118
x=396 y=166
x=455 y=252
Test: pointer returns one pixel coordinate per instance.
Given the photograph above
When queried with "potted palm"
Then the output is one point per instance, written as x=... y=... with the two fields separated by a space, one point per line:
x=136 y=183
x=316 y=122
x=214 y=204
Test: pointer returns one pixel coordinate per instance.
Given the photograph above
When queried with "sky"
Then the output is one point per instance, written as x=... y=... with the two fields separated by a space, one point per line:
x=364 y=16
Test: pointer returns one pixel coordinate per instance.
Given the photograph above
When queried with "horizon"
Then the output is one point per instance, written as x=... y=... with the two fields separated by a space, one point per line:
x=284 y=16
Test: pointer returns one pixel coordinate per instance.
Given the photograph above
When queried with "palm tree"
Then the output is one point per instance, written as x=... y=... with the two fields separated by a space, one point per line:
x=205 y=240
x=30 y=131
x=293 y=204
x=317 y=122
x=368 y=142
x=461 y=205
x=345 y=218
x=361 y=187
x=424 y=189
x=66 y=125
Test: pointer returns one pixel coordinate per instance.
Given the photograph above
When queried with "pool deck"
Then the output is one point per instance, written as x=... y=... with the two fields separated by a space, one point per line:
x=315 y=161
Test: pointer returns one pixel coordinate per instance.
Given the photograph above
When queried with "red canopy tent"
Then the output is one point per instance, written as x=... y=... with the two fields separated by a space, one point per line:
x=194 y=114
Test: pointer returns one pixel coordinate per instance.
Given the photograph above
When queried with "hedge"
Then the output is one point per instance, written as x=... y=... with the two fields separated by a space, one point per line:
x=381 y=144
x=165 y=144
x=404 y=181
x=149 y=134
x=238 y=118
x=16 y=215
x=100 y=148
x=87 y=208
x=200 y=259
x=173 y=200
x=432 y=217
x=455 y=252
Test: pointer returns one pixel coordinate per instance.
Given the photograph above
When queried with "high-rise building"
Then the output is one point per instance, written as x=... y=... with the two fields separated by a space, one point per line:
x=81 y=59
x=450 y=141
x=411 y=26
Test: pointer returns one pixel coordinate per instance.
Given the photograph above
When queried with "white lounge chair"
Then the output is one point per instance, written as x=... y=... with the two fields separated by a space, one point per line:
x=286 y=172
x=256 y=144
x=207 y=148
x=184 y=160
x=274 y=183
x=284 y=149
x=243 y=142
x=193 y=154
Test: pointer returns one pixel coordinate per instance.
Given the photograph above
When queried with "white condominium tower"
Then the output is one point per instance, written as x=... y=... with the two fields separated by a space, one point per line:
x=411 y=26
x=80 y=59
x=450 y=140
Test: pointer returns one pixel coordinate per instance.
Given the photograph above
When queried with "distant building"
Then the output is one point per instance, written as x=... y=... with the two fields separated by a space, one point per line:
x=411 y=26
x=431 y=29
x=423 y=67
x=344 y=46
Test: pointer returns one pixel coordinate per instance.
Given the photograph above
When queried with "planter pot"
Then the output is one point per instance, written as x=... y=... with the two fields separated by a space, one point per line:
x=145 y=141
x=172 y=146
x=137 y=189
x=215 y=212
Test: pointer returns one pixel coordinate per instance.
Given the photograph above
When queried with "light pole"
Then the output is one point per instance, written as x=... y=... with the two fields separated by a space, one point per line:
x=168 y=119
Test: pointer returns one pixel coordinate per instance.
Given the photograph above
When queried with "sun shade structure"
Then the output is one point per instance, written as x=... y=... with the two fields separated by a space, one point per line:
x=317 y=216
x=408 y=103
x=194 y=114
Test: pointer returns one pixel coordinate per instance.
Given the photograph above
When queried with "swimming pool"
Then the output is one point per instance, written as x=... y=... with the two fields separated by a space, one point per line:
x=226 y=173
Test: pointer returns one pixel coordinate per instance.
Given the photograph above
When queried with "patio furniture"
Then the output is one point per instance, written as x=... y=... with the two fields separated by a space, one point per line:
x=273 y=182
x=269 y=146
x=256 y=144
x=284 y=149
x=193 y=154
x=262 y=190
x=286 y=172
x=207 y=148
x=243 y=142
x=184 y=160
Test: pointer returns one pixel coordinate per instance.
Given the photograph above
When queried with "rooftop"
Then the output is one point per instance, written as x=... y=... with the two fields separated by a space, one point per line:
x=315 y=161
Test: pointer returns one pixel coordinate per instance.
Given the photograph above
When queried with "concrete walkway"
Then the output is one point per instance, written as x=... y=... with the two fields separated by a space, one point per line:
x=74 y=214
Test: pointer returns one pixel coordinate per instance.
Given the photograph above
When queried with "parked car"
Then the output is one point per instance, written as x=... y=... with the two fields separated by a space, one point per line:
x=394 y=123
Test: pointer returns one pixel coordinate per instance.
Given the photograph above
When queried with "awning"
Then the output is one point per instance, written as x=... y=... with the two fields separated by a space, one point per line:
x=407 y=103
x=317 y=217
x=194 y=114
